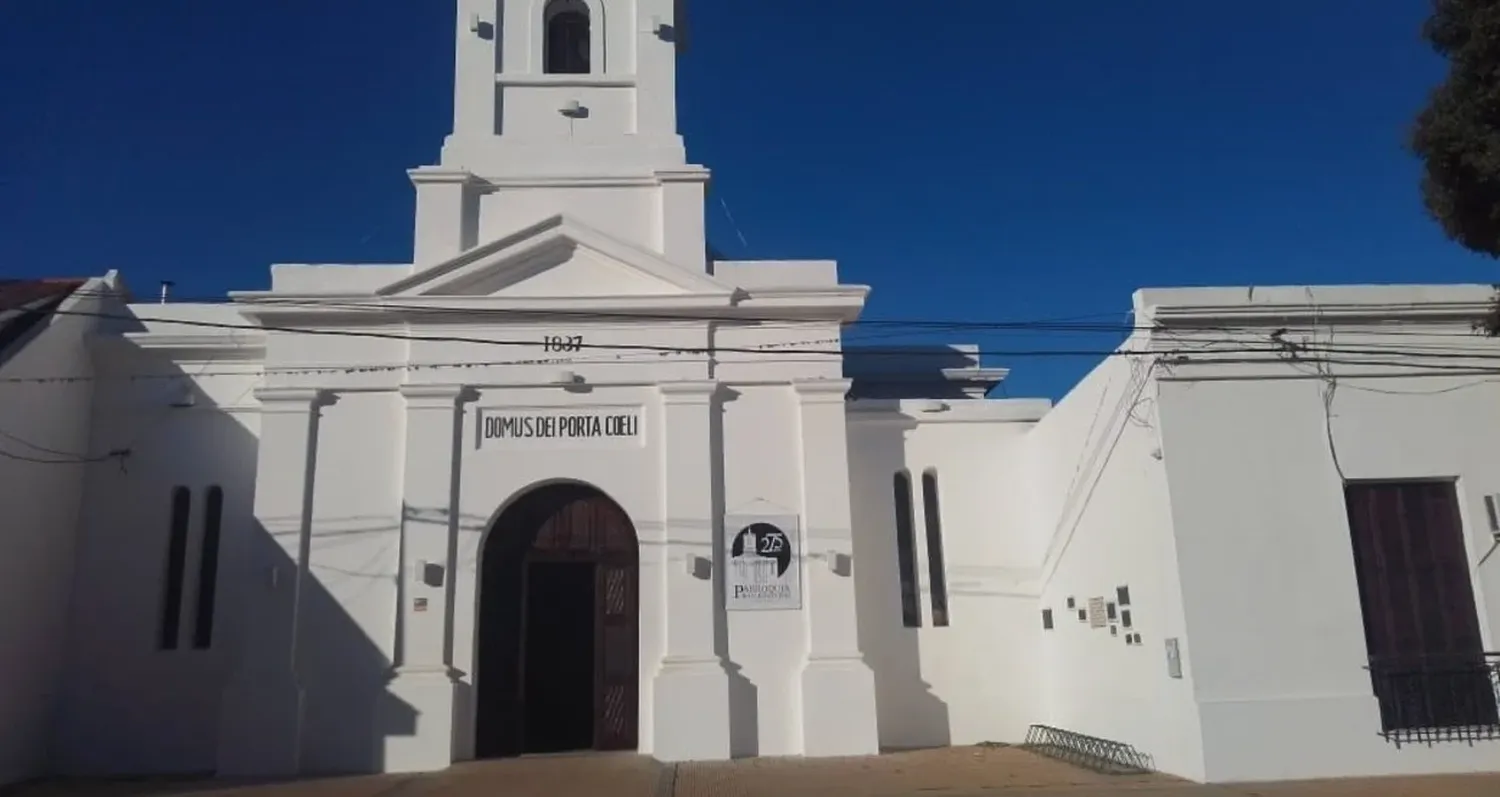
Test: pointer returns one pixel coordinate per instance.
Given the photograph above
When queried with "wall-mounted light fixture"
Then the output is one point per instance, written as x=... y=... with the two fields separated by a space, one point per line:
x=699 y=567
x=571 y=109
x=473 y=23
x=429 y=573
x=566 y=378
x=184 y=398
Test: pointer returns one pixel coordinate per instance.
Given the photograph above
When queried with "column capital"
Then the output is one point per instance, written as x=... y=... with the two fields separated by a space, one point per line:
x=820 y=390
x=697 y=391
x=290 y=399
x=434 y=396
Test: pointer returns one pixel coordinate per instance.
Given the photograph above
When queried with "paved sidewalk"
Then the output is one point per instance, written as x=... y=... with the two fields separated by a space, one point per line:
x=951 y=772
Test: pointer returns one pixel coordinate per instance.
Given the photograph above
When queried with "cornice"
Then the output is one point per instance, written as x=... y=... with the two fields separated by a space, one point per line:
x=565 y=81
x=571 y=181
x=1314 y=304
x=241 y=346
x=840 y=305
x=428 y=175
x=311 y=310
x=926 y=412
x=1274 y=314
x=290 y=396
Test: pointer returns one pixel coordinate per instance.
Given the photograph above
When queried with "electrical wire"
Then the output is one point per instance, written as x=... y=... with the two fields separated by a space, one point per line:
x=1188 y=344
x=1072 y=323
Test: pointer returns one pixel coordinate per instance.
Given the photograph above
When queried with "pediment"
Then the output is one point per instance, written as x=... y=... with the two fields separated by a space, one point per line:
x=558 y=258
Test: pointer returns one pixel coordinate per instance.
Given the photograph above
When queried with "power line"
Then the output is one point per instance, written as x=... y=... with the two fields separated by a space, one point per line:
x=1190 y=343
x=1057 y=324
x=644 y=347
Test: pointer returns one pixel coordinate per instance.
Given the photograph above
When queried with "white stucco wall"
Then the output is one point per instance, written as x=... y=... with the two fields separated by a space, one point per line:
x=1100 y=511
x=348 y=461
x=960 y=683
x=1272 y=608
x=44 y=421
x=148 y=709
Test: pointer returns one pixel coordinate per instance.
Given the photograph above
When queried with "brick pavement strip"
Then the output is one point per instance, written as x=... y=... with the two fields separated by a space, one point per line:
x=950 y=772
x=947 y=770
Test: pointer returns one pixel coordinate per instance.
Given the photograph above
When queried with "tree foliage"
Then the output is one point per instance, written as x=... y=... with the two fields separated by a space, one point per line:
x=1457 y=135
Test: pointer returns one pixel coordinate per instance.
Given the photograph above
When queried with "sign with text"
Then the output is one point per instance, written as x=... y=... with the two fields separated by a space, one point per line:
x=559 y=427
x=764 y=559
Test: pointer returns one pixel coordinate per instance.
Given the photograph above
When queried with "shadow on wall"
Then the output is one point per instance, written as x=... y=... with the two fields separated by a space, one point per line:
x=347 y=711
x=909 y=714
x=744 y=697
x=139 y=705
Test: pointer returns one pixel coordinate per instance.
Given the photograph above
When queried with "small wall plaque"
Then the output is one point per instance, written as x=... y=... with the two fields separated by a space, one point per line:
x=1174 y=658
x=1125 y=617
x=1122 y=596
x=1096 y=613
x=1047 y=619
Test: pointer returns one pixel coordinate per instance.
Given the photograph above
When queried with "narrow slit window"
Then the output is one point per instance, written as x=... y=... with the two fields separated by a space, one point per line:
x=208 y=568
x=936 y=572
x=906 y=552
x=177 y=539
x=566 y=48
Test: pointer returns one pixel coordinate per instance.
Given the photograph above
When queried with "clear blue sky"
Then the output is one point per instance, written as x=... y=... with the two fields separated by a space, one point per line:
x=994 y=160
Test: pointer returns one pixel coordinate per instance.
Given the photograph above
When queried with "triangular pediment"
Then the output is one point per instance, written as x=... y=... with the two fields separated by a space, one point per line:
x=557 y=258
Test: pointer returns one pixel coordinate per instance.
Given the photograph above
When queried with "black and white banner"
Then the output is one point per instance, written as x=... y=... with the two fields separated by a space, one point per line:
x=763 y=554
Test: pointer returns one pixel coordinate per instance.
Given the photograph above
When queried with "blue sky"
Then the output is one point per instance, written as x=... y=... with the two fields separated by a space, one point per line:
x=978 y=160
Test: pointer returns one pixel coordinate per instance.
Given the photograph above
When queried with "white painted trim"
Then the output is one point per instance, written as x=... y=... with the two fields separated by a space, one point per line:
x=512 y=252
x=1313 y=304
x=567 y=81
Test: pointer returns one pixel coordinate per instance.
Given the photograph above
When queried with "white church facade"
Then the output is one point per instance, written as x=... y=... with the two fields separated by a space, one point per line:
x=567 y=481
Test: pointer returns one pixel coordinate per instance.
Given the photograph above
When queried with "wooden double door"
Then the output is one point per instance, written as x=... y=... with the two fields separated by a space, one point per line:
x=558 y=626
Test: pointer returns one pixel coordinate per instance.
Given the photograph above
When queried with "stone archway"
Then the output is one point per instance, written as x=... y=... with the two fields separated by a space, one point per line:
x=558 y=626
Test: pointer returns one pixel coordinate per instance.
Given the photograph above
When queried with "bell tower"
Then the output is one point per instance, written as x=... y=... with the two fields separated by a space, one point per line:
x=559 y=86
x=564 y=107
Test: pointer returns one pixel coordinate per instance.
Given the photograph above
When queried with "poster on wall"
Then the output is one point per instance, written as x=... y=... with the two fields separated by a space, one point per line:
x=763 y=554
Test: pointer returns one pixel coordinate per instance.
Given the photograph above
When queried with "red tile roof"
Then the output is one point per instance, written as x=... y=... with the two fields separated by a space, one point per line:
x=25 y=303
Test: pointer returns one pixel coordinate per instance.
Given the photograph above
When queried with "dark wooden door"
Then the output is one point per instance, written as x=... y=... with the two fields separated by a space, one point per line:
x=1421 y=622
x=617 y=678
x=577 y=527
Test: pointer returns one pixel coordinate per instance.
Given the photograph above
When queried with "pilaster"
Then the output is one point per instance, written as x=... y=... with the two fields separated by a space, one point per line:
x=260 y=730
x=838 y=687
x=474 y=90
x=447 y=217
x=691 y=691
x=424 y=683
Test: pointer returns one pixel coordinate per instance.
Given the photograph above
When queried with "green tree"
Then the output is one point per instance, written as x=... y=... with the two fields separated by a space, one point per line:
x=1457 y=135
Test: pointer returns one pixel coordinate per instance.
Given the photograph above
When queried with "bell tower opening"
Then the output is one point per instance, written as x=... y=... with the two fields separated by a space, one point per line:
x=563 y=86
x=567 y=45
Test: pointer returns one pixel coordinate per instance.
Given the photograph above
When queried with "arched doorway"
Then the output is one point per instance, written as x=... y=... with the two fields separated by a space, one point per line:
x=558 y=626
